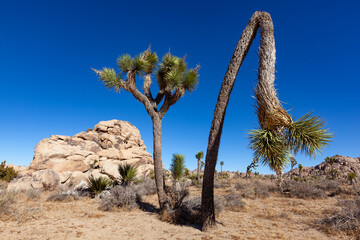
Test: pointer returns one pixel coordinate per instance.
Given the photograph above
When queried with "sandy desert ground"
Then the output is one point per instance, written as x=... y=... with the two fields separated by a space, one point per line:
x=275 y=217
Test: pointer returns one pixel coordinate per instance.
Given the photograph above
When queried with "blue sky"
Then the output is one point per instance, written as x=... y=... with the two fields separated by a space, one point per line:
x=47 y=87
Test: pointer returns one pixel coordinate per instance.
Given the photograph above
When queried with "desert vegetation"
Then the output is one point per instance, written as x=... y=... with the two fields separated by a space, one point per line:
x=328 y=208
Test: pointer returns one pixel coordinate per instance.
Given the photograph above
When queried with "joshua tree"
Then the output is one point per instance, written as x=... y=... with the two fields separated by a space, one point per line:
x=300 y=170
x=253 y=165
x=174 y=79
x=221 y=164
x=127 y=173
x=293 y=162
x=199 y=156
x=177 y=166
x=331 y=161
x=278 y=133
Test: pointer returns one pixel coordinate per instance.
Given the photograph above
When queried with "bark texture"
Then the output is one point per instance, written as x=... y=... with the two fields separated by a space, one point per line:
x=268 y=104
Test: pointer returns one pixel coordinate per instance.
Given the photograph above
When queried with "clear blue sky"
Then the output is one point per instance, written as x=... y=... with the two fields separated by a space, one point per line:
x=47 y=87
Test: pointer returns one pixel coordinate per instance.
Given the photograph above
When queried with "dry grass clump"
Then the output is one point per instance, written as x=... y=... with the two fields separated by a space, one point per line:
x=255 y=189
x=7 y=198
x=304 y=190
x=27 y=214
x=233 y=202
x=62 y=197
x=221 y=183
x=3 y=185
x=33 y=194
x=346 y=220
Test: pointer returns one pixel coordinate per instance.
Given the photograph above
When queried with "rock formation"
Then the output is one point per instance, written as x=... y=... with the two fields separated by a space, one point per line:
x=342 y=166
x=98 y=151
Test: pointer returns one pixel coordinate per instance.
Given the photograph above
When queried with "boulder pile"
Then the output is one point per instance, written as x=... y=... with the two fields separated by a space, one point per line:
x=66 y=161
x=341 y=167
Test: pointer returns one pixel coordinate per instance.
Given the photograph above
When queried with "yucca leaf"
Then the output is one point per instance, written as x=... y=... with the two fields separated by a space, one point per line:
x=177 y=166
x=269 y=148
x=308 y=135
x=109 y=78
x=124 y=63
x=150 y=60
x=190 y=80
x=97 y=185
x=128 y=173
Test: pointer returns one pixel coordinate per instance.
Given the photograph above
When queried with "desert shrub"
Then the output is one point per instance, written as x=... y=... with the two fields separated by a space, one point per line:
x=7 y=173
x=147 y=187
x=346 y=220
x=331 y=186
x=33 y=193
x=97 y=185
x=351 y=176
x=152 y=174
x=7 y=198
x=62 y=197
x=120 y=196
x=221 y=183
x=187 y=172
x=233 y=202
x=255 y=189
x=190 y=209
x=303 y=190
x=128 y=173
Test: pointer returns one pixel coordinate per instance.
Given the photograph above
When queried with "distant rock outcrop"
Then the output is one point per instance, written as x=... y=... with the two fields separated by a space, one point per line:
x=97 y=151
x=342 y=166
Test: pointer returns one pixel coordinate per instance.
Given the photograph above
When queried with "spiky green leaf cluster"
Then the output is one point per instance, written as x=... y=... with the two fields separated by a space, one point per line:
x=199 y=155
x=174 y=73
x=177 y=166
x=307 y=135
x=110 y=80
x=269 y=148
x=97 y=185
x=171 y=73
x=128 y=173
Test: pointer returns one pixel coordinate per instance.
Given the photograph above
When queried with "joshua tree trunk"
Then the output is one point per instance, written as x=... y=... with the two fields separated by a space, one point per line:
x=158 y=168
x=265 y=94
x=198 y=170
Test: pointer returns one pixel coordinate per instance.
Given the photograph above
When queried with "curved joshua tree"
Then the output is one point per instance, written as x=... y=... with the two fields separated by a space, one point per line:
x=278 y=133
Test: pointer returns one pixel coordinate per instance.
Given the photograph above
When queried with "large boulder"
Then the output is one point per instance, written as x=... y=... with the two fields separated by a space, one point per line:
x=42 y=179
x=67 y=161
x=111 y=141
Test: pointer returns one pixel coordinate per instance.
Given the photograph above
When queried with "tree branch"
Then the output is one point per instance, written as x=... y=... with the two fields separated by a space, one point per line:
x=171 y=100
x=130 y=85
x=146 y=87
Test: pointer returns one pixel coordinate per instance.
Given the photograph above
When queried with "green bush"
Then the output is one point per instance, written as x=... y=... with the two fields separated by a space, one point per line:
x=7 y=173
x=97 y=185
